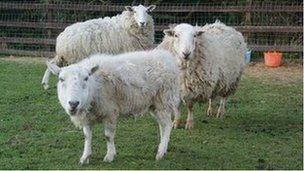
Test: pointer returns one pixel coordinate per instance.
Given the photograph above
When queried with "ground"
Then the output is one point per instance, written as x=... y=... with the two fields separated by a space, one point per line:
x=264 y=129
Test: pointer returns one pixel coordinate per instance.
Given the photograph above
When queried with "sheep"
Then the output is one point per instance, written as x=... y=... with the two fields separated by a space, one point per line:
x=130 y=31
x=211 y=62
x=101 y=87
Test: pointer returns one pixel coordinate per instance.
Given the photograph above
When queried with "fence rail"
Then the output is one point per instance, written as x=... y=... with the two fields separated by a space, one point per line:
x=160 y=8
x=250 y=29
x=28 y=40
x=27 y=52
x=51 y=27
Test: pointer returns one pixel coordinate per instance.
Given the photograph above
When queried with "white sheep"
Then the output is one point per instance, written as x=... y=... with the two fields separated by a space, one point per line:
x=211 y=60
x=132 y=83
x=130 y=31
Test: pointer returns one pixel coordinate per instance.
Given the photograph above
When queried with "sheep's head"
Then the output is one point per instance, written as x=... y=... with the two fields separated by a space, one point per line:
x=141 y=13
x=184 y=39
x=73 y=87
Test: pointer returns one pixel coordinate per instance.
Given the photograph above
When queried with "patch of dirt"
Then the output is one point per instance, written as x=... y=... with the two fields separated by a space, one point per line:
x=28 y=127
x=289 y=72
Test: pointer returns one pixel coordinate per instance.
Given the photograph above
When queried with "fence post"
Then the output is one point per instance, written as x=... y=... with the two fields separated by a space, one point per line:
x=49 y=18
x=248 y=18
x=3 y=45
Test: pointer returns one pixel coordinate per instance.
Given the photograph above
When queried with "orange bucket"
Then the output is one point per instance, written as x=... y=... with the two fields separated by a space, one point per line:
x=273 y=58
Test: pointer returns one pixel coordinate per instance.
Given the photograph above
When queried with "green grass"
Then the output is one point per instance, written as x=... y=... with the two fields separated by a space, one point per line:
x=264 y=130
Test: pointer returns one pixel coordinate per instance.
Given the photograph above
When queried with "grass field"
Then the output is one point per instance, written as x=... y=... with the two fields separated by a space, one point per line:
x=263 y=131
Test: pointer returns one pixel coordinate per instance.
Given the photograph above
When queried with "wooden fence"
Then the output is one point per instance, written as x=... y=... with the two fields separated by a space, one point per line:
x=43 y=42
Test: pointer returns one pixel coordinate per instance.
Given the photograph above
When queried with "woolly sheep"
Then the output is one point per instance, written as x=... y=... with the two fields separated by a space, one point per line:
x=131 y=83
x=211 y=60
x=130 y=31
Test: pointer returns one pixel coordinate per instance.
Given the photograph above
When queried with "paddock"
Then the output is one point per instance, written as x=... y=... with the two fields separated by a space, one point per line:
x=263 y=129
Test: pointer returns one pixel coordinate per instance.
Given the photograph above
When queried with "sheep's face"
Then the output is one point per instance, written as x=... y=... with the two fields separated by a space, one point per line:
x=184 y=39
x=141 y=14
x=73 y=87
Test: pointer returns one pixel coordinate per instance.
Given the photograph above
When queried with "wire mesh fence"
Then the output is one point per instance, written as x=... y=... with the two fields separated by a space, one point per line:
x=31 y=27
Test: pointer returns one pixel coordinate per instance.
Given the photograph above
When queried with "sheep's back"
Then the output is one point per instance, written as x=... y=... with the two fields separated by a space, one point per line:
x=104 y=35
x=224 y=54
x=85 y=38
x=136 y=79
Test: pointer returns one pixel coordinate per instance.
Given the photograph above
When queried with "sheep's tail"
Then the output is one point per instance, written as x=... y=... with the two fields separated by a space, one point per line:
x=217 y=21
x=47 y=74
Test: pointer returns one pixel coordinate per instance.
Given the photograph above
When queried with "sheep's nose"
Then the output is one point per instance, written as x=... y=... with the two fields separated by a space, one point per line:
x=186 y=55
x=74 y=104
x=142 y=24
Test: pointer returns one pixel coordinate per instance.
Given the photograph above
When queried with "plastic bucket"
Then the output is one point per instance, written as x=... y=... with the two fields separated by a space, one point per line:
x=248 y=56
x=272 y=58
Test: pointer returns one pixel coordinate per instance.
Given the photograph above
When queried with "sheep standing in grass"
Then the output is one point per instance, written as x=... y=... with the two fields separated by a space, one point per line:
x=211 y=60
x=131 y=83
x=130 y=31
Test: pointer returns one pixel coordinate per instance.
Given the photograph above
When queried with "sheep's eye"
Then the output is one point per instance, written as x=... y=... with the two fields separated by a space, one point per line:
x=86 y=78
x=61 y=79
x=195 y=35
x=175 y=35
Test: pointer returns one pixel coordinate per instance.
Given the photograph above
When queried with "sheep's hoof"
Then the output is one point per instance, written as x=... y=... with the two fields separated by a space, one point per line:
x=221 y=113
x=189 y=124
x=176 y=123
x=108 y=158
x=209 y=112
x=84 y=160
x=45 y=86
x=159 y=156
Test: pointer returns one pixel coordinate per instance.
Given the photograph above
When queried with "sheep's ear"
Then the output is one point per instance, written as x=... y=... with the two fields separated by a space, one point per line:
x=151 y=8
x=172 y=26
x=93 y=69
x=169 y=32
x=53 y=68
x=199 y=32
x=129 y=8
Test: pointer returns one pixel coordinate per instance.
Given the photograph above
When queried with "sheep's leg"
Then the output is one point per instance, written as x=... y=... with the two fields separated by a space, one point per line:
x=165 y=127
x=46 y=78
x=87 y=145
x=209 y=110
x=109 y=128
x=177 y=120
x=189 y=124
x=221 y=110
